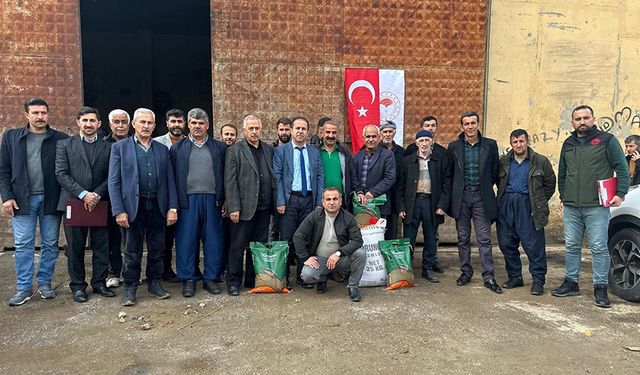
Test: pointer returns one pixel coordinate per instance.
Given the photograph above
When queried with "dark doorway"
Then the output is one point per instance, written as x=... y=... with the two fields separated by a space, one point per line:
x=146 y=53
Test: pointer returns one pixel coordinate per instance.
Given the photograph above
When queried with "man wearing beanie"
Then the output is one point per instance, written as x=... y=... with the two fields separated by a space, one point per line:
x=423 y=197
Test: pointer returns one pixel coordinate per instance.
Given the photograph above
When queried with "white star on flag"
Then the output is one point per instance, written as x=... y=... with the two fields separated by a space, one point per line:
x=362 y=112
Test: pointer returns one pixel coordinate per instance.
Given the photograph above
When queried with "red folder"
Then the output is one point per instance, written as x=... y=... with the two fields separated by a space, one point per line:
x=607 y=189
x=77 y=216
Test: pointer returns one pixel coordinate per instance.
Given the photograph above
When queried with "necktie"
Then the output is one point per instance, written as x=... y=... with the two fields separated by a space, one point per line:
x=303 y=172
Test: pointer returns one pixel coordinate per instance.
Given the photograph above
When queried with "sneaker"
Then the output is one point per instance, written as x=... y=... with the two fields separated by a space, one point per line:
x=129 y=294
x=20 y=297
x=46 y=292
x=113 y=282
x=568 y=288
x=155 y=288
x=602 y=298
x=513 y=282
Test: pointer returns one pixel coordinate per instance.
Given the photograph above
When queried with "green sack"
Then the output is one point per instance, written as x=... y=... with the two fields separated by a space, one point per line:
x=371 y=208
x=397 y=259
x=270 y=263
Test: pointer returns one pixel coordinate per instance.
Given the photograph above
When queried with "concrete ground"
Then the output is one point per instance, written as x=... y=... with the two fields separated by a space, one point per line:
x=430 y=329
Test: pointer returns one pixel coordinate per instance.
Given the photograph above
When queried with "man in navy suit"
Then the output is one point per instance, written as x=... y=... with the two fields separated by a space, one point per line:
x=299 y=183
x=375 y=170
x=143 y=193
x=199 y=166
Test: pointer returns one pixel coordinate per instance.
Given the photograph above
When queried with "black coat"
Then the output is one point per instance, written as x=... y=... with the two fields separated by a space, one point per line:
x=14 y=178
x=439 y=171
x=381 y=175
x=398 y=155
x=489 y=167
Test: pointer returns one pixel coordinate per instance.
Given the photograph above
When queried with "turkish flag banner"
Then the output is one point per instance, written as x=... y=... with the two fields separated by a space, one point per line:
x=373 y=97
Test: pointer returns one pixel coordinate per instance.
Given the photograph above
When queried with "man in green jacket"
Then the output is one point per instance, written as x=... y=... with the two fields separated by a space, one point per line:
x=588 y=155
x=526 y=183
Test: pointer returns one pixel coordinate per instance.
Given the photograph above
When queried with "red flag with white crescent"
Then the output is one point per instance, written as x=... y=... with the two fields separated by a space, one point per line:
x=374 y=96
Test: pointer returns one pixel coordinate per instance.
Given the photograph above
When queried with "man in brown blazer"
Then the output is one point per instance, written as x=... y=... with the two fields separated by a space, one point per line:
x=82 y=169
x=250 y=191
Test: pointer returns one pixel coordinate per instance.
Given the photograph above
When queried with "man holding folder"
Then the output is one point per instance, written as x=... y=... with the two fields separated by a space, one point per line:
x=82 y=169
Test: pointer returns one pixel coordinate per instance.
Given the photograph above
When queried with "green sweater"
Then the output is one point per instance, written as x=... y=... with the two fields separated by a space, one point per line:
x=584 y=161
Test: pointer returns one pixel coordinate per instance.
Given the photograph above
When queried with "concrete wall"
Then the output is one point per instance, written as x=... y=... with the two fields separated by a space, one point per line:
x=547 y=57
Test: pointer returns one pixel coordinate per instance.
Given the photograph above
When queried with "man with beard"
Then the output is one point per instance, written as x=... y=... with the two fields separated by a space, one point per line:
x=119 y=125
x=527 y=182
x=175 y=120
x=283 y=131
x=336 y=162
x=228 y=134
x=82 y=169
x=631 y=144
x=430 y=124
x=30 y=192
x=588 y=155
x=388 y=133
x=374 y=170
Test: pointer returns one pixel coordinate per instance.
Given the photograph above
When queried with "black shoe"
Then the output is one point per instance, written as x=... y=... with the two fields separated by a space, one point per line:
x=155 y=288
x=233 y=291
x=492 y=285
x=568 y=288
x=103 y=291
x=464 y=279
x=437 y=269
x=321 y=287
x=513 y=282
x=354 y=294
x=80 y=295
x=129 y=294
x=170 y=276
x=602 y=298
x=303 y=284
x=188 y=288
x=537 y=289
x=211 y=286
x=430 y=276
x=288 y=284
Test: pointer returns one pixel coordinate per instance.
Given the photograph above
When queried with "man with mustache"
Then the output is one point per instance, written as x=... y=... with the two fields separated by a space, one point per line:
x=283 y=131
x=588 y=155
x=527 y=182
x=374 y=170
x=228 y=134
x=175 y=121
x=82 y=169
x=30 y=193
x=143 y=197
x=199 y=164
x=474 y=167
x=336 y=162
x=387 y=133
x=119 y=125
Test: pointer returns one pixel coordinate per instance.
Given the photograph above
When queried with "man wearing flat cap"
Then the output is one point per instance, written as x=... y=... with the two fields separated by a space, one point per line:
x=423 y=197
x=388 y=133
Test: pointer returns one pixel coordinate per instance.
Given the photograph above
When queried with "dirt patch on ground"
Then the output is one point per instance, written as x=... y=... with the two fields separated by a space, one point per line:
x=432 y=328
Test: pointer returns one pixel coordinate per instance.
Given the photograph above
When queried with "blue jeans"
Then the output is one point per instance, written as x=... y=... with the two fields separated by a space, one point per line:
x=24 y=233
x=596 y=221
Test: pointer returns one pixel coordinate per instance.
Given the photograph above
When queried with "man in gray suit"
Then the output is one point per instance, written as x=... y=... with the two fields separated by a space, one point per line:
x=250 y=190
x=82 y=169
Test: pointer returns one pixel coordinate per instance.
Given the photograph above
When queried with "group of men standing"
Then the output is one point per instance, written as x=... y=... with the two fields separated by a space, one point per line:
x=219 y=196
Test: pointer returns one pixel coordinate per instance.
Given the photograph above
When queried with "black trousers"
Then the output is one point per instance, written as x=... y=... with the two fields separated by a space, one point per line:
x=115 y=246
x=245 y=231
x=296 y=210
x=149 y=224
x=76 y=240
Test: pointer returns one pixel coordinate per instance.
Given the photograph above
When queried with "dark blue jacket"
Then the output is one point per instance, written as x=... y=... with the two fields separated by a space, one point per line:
x=124 y=180
x=381 y=175
x=14 y=178
x=180 y=153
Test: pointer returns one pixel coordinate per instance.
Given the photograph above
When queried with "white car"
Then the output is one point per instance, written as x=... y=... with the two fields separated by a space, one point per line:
x=624 y=247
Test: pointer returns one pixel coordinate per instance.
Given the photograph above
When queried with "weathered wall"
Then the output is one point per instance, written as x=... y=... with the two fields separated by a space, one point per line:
x=546 y=57
x=39 y=56
x=282 y=58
